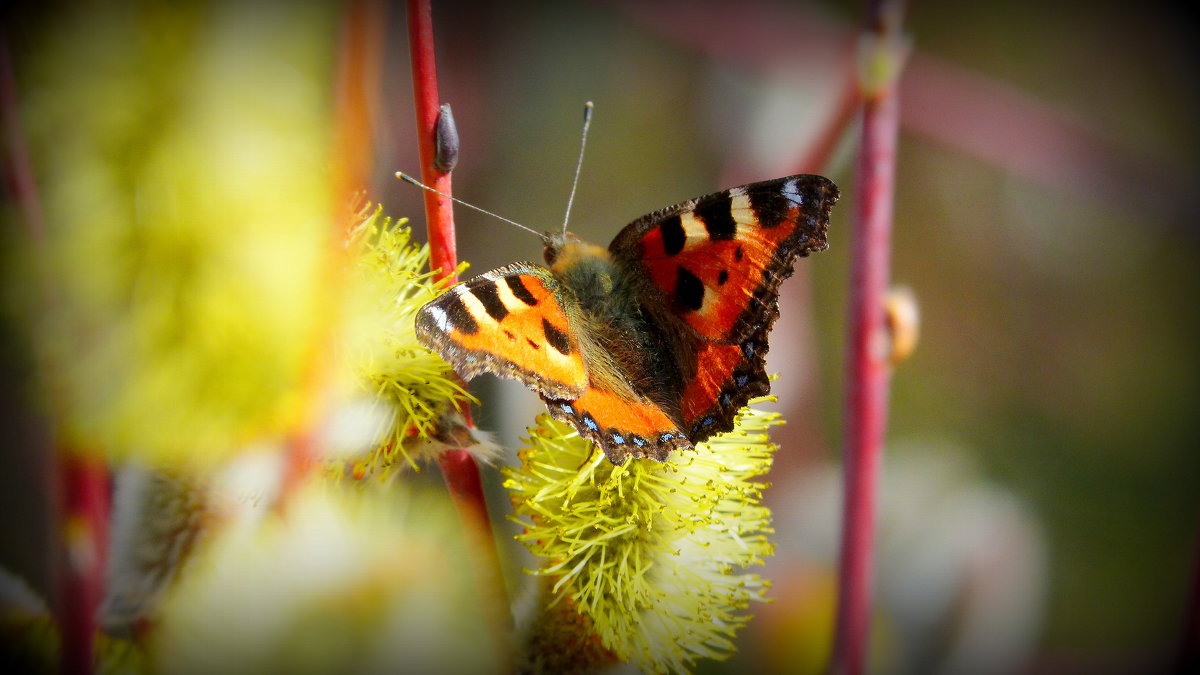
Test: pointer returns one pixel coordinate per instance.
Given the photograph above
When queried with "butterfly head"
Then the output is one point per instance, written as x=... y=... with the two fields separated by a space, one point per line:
x=563 y=250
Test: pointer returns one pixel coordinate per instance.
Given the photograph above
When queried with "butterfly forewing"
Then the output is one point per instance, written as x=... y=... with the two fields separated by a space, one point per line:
x=508 y=322
x=717 y=261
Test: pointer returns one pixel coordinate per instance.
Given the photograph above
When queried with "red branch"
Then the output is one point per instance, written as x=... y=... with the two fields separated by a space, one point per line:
x=84 y=508
x=816 y=159
x=359 y=53
x=439 y=212
x=79 y=488
x=458 y=466
x=19 y=179
x=867 y=368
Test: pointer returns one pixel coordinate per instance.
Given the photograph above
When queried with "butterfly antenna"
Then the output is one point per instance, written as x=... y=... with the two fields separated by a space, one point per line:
x=409 y=179
x=587 y=122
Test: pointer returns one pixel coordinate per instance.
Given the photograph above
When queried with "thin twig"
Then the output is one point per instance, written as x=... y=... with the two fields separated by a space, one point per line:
x=439 y=211
x=360 y=48
x=85 y=506
x=867 y=368
x=816 y=159
x=458 y=466
x=79 y=481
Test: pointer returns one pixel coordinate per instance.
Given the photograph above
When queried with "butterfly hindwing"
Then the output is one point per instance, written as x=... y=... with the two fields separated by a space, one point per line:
x=508 y=322
x=730 y=376
x=623 y=428
x=717 y=261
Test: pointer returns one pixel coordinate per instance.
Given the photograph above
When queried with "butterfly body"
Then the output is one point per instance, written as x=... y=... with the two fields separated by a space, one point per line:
x=651 y=344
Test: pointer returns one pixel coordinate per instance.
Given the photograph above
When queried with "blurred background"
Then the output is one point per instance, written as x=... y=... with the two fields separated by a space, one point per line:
x=1040 y=493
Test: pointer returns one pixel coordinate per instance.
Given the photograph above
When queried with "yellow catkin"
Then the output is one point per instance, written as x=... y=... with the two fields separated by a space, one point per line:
x=649 y=553
x=410 y=388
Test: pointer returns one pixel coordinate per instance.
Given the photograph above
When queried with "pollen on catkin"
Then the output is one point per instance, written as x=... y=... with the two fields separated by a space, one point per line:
x=413 y=392
x=651 y=553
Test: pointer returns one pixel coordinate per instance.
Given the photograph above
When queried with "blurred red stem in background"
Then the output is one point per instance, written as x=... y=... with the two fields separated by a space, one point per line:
x=19 y=180
x=816 y=159
x=85 y=505
x=458 y=466
x=79 y=484
x=359 y=54
x=867 y=369
x=1187 y=657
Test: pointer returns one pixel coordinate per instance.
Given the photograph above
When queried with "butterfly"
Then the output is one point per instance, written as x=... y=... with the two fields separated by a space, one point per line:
x=654 y=343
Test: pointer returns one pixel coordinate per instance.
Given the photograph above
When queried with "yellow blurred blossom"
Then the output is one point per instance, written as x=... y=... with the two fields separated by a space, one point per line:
x=182 y=160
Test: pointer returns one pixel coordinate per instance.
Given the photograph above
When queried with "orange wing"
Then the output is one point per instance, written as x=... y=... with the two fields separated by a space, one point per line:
x=508 y=322
x=715 y=263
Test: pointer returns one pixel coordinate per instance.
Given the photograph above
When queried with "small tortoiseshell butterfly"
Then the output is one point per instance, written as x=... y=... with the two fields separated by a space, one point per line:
x=654 y=343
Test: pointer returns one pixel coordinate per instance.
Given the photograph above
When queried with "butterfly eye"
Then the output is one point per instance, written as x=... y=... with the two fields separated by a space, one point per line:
x=550 y=253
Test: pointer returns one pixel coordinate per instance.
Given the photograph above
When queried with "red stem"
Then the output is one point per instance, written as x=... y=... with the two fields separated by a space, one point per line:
x=20 y=182
x=817 y=158
x=84 y=505
x=458 y=466
x=439 y=212
x=360 y=59
x=867 y=369
x=360 y=46
x=79 y=485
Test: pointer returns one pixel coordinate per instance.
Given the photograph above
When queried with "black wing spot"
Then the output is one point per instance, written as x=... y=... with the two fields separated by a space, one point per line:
x=739 y=254
x=509 y=334
x=718 y=217
x=673 y=236
x=722 y=277
x=533 y=344
x=520 y=291
x=689 y=290
x=489 y=295
x=460 y=317
x=557 y=338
